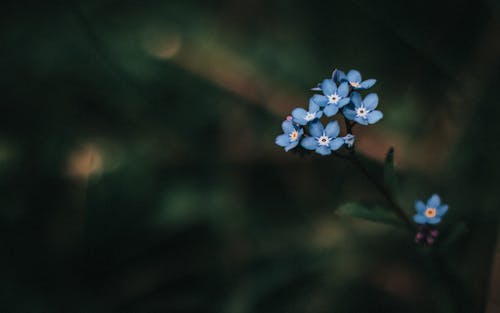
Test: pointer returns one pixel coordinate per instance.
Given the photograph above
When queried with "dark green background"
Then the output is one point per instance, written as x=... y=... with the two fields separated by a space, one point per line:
x=139 y=174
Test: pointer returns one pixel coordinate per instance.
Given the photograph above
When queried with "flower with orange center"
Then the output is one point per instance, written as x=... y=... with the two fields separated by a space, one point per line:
x=291 y=135
x=430 y=212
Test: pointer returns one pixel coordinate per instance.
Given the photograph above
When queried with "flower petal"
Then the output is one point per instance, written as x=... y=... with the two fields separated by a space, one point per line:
x=343 y=102
x=361 y=120
x=309 y=143
x=368 y=83
x=287 y=126
x=419 y=219
x=320 y=100
x=313 y=106
x=343 y=89
x=283 y=140
x=332 y=129
x=434 y=220
x=330 y=110
x=420 y=206
x=356 y=99
x=329 y=87
x=317 y=88
x=323 y=150
x=292 y=145
x=371 y=101
x=316 y=129
x=354 y=76
x=434 y=201
x=441 y=210
x=338 y=76
x=374 y=116
x=349 y=113
x=336 y=143
x=298 y=116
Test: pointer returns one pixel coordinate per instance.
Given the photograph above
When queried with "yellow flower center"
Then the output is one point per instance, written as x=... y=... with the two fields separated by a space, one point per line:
x=430 y=212
x=294 y=135
x=354 y=84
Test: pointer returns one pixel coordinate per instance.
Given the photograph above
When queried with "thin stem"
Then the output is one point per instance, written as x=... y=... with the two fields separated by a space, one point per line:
x=378 y=185
x=383 y=190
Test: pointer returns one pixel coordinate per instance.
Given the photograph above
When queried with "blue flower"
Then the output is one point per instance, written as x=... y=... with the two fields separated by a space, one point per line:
x=431 y=212
x=354 y=79
x=303 y=117
x=323 y=140
x=364 y=111
x=334 y=98
x=291 y=135
x=349 y=140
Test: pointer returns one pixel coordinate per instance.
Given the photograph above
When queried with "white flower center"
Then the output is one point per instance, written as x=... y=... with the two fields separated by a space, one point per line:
x=333 y=98
x=362 y=111
x=294 y=135
x=355 y=84
x=323 y=140
x=310 y=116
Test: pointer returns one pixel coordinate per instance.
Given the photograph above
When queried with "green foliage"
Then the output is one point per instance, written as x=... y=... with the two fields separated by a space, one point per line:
x=389 y=173
x=373 y=213
x=183 y=203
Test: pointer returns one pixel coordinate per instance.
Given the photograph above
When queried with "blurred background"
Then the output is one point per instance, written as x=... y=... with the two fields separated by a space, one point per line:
x=139 y=173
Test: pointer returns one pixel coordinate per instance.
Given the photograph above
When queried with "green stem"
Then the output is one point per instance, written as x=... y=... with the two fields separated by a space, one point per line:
x=378 y=185
x=383 y=190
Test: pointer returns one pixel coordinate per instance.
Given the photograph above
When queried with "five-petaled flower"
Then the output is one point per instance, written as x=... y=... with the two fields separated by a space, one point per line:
x=354 y=79
x=333 y=97
x=303 y=117
x=323 y=140
x=291 y=135
x=363 y=111
x=431 y=212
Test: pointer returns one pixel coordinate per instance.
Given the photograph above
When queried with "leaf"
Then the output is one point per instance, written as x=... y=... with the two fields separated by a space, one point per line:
x=371 y=213
x=389 y=174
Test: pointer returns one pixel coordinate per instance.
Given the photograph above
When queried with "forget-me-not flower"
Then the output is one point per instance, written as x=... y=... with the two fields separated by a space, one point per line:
x=363 y=111
x=333 y=97
x=431 y=212
x=291 y=135
x=323 y=140
x=302 y=117
x=354 y=79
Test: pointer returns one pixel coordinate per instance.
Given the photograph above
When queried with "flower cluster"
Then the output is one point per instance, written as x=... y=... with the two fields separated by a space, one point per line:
x=340 y=93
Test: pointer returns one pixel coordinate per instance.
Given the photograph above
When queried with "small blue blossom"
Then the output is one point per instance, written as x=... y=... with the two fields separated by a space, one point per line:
x=363 y=111
x=302 y=117
x=291 y=135
x=431 y=212
x=323 y=140
x=333 y=97
x=354 y=79
x=349 y=140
